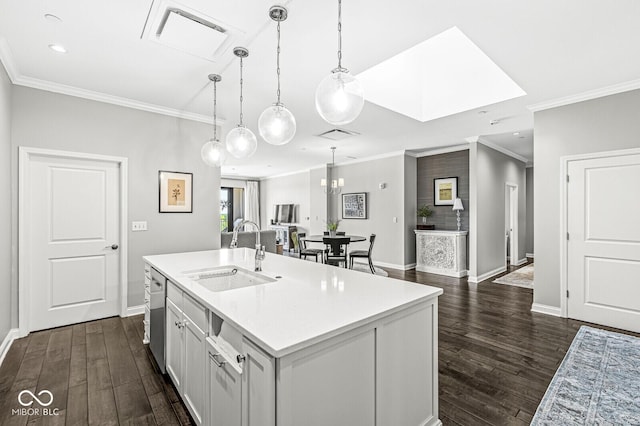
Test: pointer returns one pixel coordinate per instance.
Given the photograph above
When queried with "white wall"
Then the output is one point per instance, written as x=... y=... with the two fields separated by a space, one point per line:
x=6 y=242
x=290 y=189
x=529 y=241
x=604 y=124
x=151 y=142
x=383 y=206
x=490 y=170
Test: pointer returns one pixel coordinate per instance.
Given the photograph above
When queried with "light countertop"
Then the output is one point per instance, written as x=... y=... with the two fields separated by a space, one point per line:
x=308 y=304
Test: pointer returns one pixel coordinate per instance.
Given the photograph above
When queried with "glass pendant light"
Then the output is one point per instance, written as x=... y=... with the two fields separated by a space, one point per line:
x=241 y=142
x=277 y=125
x=339 y=96
x=213 y=152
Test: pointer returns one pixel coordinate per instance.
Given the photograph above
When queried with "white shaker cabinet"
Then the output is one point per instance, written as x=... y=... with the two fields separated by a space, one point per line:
x=174 y=343
x=240 y=391
x=185 y=349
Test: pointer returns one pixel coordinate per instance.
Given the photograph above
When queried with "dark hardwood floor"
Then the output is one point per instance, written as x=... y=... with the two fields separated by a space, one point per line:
x=99 y=373
x=496 y=359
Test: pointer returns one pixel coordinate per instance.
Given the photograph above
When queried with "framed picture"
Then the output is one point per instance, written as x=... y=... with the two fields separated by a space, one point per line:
x=445 y=191
x=176 y=192
x=354 y=206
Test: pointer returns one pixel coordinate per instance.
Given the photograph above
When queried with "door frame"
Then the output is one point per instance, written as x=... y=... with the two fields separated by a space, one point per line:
x=511 y=207
x=564 y=217
x=24 y=168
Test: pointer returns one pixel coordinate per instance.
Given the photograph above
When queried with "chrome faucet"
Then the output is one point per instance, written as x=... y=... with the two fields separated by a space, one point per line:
x=259 y=247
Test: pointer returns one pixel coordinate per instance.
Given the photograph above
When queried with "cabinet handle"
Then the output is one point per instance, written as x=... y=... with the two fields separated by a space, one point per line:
x=241 y=359
x=215 y=359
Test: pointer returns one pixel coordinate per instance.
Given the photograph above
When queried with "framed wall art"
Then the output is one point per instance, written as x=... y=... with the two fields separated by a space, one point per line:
x=176 y=192
x=445 y=191
x=354 y=206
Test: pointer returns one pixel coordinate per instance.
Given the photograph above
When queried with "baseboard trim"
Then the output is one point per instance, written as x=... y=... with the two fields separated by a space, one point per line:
x=6 y=343
x=546 y=309
x=521 y=262
x=529 y=255
x=134 y=310
x=390 y=265
x=487 y=275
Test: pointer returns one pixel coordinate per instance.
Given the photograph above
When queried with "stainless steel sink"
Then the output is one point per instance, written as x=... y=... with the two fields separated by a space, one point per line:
x=227 y=278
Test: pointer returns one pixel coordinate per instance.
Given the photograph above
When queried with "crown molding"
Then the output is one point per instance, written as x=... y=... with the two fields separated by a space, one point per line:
x=585 y=96
x=63 y=89
x=17 y=79
x=502 y=150
x=443 y=150
x=6 y=58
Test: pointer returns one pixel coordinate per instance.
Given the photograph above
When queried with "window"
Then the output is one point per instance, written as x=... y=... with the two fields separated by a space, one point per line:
x=231 y=207
x=226 y=209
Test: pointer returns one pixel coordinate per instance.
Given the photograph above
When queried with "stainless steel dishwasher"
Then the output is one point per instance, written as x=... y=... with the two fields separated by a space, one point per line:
x=158 y=294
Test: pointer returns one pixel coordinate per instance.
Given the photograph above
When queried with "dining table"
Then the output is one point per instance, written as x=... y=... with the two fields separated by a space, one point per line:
x=335 y=248
x=320 y=238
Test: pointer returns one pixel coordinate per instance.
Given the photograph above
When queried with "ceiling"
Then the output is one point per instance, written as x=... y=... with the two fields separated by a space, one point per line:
x=551 y=49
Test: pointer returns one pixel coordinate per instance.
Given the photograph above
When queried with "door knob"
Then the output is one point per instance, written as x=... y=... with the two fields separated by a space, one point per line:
x=112 y=247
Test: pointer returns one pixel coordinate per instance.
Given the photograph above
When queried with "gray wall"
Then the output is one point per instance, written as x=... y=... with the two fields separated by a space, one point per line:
x=290 y=189
x=492 y=170
x=529 y=241
x=410 y=207
x=151 y=142
x=383 y=206
x=604 y=124
x=452 y=164
x=5 y=208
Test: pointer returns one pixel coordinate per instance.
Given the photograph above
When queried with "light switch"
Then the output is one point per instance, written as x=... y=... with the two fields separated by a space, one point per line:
x=139 y=226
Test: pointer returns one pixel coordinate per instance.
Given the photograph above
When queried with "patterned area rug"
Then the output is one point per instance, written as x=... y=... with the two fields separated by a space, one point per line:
x=598 y=382
x=522 y=277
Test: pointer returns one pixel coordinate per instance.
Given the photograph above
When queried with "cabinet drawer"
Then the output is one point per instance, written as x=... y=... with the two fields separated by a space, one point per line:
x=174 y=294
x=195 y=311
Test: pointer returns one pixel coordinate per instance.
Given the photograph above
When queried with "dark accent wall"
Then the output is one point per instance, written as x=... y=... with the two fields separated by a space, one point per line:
x=452 y=164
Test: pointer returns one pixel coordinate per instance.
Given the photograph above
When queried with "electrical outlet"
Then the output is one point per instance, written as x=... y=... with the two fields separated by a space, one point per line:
x=395 y=219
x=139 y=226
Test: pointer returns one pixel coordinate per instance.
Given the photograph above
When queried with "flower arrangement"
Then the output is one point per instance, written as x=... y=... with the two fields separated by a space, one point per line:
x=332 y=224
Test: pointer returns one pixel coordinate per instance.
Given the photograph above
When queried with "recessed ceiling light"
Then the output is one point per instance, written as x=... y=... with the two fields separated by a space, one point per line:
x=482 y=112
x=57 y=48
x=52 y=18
x=521 y=137
x=516 y=133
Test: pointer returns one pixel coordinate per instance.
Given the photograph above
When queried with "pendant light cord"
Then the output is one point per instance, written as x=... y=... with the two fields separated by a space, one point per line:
x=278 y=64
x=241 y=83
x=215 y=97
x=339 y=34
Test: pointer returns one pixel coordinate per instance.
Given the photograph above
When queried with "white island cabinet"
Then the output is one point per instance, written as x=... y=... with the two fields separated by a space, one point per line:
x=318 y=345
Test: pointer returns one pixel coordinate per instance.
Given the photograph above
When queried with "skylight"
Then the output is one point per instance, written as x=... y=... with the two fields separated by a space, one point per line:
x=443 y=75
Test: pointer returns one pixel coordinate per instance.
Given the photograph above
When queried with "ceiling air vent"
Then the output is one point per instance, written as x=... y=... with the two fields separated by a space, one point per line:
x=337 y=134
x=190 y=33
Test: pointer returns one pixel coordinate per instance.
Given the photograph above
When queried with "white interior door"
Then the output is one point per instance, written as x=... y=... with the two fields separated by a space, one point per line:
x=73 y=234
x=511 y=224
x=603 y=255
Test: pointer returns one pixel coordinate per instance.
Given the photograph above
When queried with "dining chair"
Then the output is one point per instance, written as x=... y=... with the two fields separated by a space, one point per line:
x=338 y=250
x=304 y=251
x=364 y=254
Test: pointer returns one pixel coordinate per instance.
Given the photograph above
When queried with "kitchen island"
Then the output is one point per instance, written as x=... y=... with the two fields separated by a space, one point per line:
x=305 y=343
